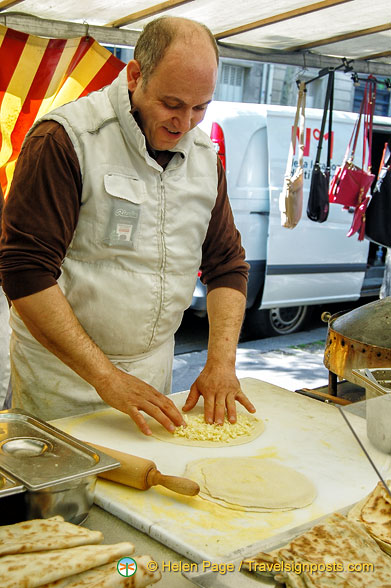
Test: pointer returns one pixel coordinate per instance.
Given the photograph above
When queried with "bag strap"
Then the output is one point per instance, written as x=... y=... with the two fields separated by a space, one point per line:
x=356 y=128
x=370 y=103
x=330 y=137
x=367 y=109
x=328 y=107
x=302 y=125
x=300 y=112
x=349 y=154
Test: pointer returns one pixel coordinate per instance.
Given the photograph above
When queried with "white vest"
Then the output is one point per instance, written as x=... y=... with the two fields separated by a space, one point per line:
x=130 y=270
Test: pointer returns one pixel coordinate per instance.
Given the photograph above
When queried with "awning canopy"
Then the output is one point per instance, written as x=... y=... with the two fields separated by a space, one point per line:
x=304 y=33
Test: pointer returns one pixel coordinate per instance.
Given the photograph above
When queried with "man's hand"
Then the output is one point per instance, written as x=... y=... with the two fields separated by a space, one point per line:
x=217 y=382
x=131 y=395
x=220 y=389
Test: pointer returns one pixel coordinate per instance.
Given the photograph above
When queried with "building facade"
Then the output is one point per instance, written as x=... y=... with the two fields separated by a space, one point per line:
x=268 y=83
x=241 y=80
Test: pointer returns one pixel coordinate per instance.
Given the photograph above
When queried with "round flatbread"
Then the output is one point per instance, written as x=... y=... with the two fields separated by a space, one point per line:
x=251 y=484
x=201 y=434
x=374 y=511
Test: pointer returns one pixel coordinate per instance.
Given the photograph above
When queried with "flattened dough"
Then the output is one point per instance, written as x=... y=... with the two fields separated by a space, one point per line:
x=251 y=484
x=255 y=429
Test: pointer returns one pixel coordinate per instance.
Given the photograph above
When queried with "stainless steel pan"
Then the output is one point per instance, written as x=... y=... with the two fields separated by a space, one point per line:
x=359 y=339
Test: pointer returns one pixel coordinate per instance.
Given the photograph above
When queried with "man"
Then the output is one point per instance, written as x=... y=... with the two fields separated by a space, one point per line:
x=111 y=205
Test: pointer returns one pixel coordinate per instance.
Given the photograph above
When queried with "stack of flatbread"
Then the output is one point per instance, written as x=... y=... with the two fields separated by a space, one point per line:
x=52 y=553
x=337 y=553
x=374 y=512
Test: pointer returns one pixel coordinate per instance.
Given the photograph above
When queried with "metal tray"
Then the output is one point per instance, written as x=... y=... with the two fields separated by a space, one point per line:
x=39 y=455
x=8 y=485
x=376 y=381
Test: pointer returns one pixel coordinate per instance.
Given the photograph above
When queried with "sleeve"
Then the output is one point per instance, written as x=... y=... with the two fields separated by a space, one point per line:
x=40 y=213
x=223 y=257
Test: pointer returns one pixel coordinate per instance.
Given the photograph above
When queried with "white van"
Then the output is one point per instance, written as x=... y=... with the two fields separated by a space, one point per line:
x=314 y=263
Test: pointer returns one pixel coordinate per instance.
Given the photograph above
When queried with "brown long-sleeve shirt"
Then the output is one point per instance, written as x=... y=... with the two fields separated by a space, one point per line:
x=42 y=210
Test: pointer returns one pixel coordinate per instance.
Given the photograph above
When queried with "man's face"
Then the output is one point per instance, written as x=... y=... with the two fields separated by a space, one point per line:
x=176 y=96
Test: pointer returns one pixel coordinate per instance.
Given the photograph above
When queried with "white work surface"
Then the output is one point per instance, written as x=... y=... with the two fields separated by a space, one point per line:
x=300 y=432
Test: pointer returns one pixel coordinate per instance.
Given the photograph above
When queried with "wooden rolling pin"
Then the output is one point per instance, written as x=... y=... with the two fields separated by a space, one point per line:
x=142 y=473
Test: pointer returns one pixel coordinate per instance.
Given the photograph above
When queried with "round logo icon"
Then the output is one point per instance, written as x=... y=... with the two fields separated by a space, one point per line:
x=126 y=566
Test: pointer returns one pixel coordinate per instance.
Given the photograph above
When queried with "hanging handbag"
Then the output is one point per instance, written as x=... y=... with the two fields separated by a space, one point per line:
x=318 y=199
x=384 y=166
x=350 y=184
x=378 y=214
x=291 y=197
x=364 y=196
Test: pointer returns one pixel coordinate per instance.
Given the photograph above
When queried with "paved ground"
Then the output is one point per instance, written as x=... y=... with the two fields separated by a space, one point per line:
x=291 y=361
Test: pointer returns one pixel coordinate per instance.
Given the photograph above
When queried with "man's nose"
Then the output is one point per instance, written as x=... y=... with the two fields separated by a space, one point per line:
x=183 y=120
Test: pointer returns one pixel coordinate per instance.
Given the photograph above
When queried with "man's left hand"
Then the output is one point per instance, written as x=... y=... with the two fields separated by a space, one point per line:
x=221 y=390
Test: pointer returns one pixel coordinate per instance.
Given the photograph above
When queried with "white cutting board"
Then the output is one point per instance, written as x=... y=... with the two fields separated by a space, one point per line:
x=300 y=432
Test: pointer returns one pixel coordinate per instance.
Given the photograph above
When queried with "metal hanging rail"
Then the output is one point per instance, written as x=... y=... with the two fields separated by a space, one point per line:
x=356 y=80
x=345 y=65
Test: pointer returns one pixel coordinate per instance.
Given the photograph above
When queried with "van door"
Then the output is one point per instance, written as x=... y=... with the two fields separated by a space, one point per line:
x=242 y=127
x=312 y=263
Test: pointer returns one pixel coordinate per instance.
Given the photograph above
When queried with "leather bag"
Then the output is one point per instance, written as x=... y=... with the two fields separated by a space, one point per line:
x=351 y=183
x=291 y=197
x=318 y=199
x=378 y=214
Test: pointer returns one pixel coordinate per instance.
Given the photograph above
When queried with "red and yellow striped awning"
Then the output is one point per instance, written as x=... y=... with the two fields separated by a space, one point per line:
x=37 y=75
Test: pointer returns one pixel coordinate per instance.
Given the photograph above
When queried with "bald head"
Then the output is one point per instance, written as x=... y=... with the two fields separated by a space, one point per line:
x=165 y=32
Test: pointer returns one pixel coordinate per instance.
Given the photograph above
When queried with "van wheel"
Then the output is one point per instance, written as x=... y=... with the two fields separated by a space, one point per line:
x=276 y=321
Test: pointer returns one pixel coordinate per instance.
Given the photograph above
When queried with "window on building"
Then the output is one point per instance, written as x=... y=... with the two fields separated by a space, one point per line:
x=230 y=83
x=382 y=106
x=125 y=54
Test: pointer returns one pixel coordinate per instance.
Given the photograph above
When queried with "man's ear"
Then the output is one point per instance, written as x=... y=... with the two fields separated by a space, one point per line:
x=134 y=74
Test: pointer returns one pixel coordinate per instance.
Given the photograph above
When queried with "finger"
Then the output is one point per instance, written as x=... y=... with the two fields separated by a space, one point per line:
x=244 y=401
x=219 y=409
x=231 y=408
x=159 y=406
x=159 y=416
x=209 y=408
x=168 y=408
x=192 y=398
x=140 y=421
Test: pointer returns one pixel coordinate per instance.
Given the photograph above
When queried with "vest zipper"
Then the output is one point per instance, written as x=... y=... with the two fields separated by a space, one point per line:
x=162 y=254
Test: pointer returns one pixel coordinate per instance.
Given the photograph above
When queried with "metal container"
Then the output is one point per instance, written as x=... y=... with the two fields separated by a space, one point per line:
x=9 y=485
x=377 y=385
x=57 y=472
x=358 y=339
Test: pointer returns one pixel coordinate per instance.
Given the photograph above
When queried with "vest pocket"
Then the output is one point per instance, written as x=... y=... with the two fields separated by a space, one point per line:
x=127 y=194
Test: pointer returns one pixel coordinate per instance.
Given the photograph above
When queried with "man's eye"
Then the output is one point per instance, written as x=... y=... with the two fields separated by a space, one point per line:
x=171 y=106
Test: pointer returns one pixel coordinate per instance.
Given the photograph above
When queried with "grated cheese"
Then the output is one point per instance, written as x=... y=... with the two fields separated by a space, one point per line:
x=198 y=430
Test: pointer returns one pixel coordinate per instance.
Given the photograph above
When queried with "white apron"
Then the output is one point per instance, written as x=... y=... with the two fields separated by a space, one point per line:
x=33 y=367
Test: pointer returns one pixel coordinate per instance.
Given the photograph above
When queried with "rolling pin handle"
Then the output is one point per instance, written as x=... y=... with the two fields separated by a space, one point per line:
x=175 y=483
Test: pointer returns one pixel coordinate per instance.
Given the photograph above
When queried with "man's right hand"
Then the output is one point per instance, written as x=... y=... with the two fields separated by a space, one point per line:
x=132 y=395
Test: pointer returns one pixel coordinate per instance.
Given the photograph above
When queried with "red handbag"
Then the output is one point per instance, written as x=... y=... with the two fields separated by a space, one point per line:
x=350 y=184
